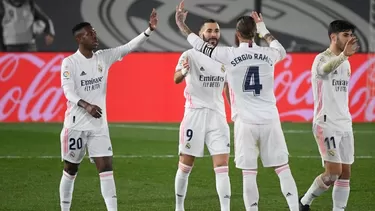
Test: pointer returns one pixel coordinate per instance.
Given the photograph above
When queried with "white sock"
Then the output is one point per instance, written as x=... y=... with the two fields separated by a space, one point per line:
x=250 y=190
x=340 y=194
x=288 y=187
x=108 y=188
x=223 y=187
x=66 y=190
x=316 y=189
x=180 y=185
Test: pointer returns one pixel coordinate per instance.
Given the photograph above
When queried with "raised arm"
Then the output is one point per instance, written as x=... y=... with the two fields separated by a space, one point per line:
x=182 y=68
x=115 y=54
x=219 y=54
x=325 y=67
x=275 y=46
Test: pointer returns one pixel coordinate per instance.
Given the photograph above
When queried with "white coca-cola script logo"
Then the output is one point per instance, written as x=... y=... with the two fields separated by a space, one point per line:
x=289 y=83
x=40 y=90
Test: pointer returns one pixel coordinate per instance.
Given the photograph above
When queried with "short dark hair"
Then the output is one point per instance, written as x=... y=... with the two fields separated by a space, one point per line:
x=79 y=26
x=338 y=26
x=246 y=26
x=208 y=21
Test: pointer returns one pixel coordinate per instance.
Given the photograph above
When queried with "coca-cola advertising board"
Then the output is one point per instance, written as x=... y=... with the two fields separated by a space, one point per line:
x=141 y=88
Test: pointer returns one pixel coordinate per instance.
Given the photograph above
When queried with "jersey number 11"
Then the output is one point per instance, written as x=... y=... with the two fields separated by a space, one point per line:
x=251 y=82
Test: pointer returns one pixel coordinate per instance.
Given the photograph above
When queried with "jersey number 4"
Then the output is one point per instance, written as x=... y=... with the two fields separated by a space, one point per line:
x=251 y=82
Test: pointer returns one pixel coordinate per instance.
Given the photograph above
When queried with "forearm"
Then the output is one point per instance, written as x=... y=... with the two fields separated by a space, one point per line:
x=273 y=43
x=178 y=77
x=332 y=64
x=72 y=96
x=40 y=15
x=269 y=38
x=184 y=29
x=134 y=43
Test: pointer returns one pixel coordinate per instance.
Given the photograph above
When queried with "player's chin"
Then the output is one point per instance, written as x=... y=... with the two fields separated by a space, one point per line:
x=214 y=43
x=95 y=45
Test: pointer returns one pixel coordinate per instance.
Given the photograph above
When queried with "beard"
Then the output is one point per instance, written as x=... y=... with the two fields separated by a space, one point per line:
x=340 y=45
x=212 y=41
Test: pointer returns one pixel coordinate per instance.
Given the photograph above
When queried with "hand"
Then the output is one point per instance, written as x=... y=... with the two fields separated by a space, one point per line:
x=94 y=110
x=351 y=46
x=261 y=27
x=257 y=18
x=186 y=68
x=181 y=13
x=49 y=39
x=153 y=20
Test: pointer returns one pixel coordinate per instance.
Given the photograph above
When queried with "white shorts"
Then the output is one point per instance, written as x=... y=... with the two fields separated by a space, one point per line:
x=204 y=126
x=268 y=140
x=334 y=146
x=74 y=144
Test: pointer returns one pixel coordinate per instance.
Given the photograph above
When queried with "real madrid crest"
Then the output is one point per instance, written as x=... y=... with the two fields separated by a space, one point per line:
x=100 y=68
x=222 y=68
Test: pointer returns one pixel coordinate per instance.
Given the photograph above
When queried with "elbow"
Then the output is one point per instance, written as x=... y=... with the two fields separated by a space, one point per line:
x=177 y=80
x=282 y=53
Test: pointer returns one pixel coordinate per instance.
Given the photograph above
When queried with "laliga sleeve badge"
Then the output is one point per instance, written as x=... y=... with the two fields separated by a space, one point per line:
x=222 y=68
x=66 y=74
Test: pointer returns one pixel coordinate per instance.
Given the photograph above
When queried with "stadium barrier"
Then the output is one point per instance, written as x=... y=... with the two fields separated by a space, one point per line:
x=141 y=88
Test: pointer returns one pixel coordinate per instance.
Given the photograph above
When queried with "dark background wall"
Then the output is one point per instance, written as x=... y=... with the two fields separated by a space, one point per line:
x=300 y=25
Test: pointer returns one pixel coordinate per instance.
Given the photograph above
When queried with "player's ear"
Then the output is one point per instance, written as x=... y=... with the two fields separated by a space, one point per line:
x=333 y=37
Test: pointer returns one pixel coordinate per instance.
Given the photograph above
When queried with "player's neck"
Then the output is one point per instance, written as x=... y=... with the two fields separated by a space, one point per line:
x=334 y=50
x=86 y=53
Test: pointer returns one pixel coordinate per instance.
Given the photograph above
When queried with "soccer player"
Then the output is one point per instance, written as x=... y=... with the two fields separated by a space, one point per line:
x=332 y=123
x=204 y=120
x=84 y=79
x=257 y=128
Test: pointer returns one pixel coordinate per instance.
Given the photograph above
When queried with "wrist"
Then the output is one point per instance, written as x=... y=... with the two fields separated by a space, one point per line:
x=150 y=27
x=148 y=32
x=184 y=71
x=343 y=56
x=261 y=29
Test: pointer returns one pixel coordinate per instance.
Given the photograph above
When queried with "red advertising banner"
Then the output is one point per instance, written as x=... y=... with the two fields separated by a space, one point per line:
x=141 y=88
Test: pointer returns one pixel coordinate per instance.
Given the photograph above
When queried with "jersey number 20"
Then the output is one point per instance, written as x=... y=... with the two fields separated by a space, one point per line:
x=251 y=82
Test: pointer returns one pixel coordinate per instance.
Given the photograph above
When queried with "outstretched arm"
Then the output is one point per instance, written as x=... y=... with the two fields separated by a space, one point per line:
x=115 y=54
x=270 y=39
x=219 y=54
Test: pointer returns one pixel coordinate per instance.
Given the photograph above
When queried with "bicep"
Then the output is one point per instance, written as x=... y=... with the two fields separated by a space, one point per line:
x=67 y=72
x=318 y=66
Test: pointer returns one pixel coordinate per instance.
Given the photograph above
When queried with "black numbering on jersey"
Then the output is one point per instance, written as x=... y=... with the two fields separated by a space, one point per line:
x=189 y=134
x=75 y=144
x=330 y=141
x=251 y=82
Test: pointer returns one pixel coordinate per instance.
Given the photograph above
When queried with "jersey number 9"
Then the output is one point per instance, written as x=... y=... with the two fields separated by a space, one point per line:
x=251 y=82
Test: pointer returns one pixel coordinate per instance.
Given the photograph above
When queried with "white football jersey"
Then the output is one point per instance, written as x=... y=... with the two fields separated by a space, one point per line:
x=204 y=82
x=331 y=93
x=250 y=73
x=89 y=77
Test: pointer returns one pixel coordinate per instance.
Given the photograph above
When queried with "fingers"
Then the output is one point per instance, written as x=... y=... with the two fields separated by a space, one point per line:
x=186 y=66
x=97 y=112
x=255 y=15
x=182 y=5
